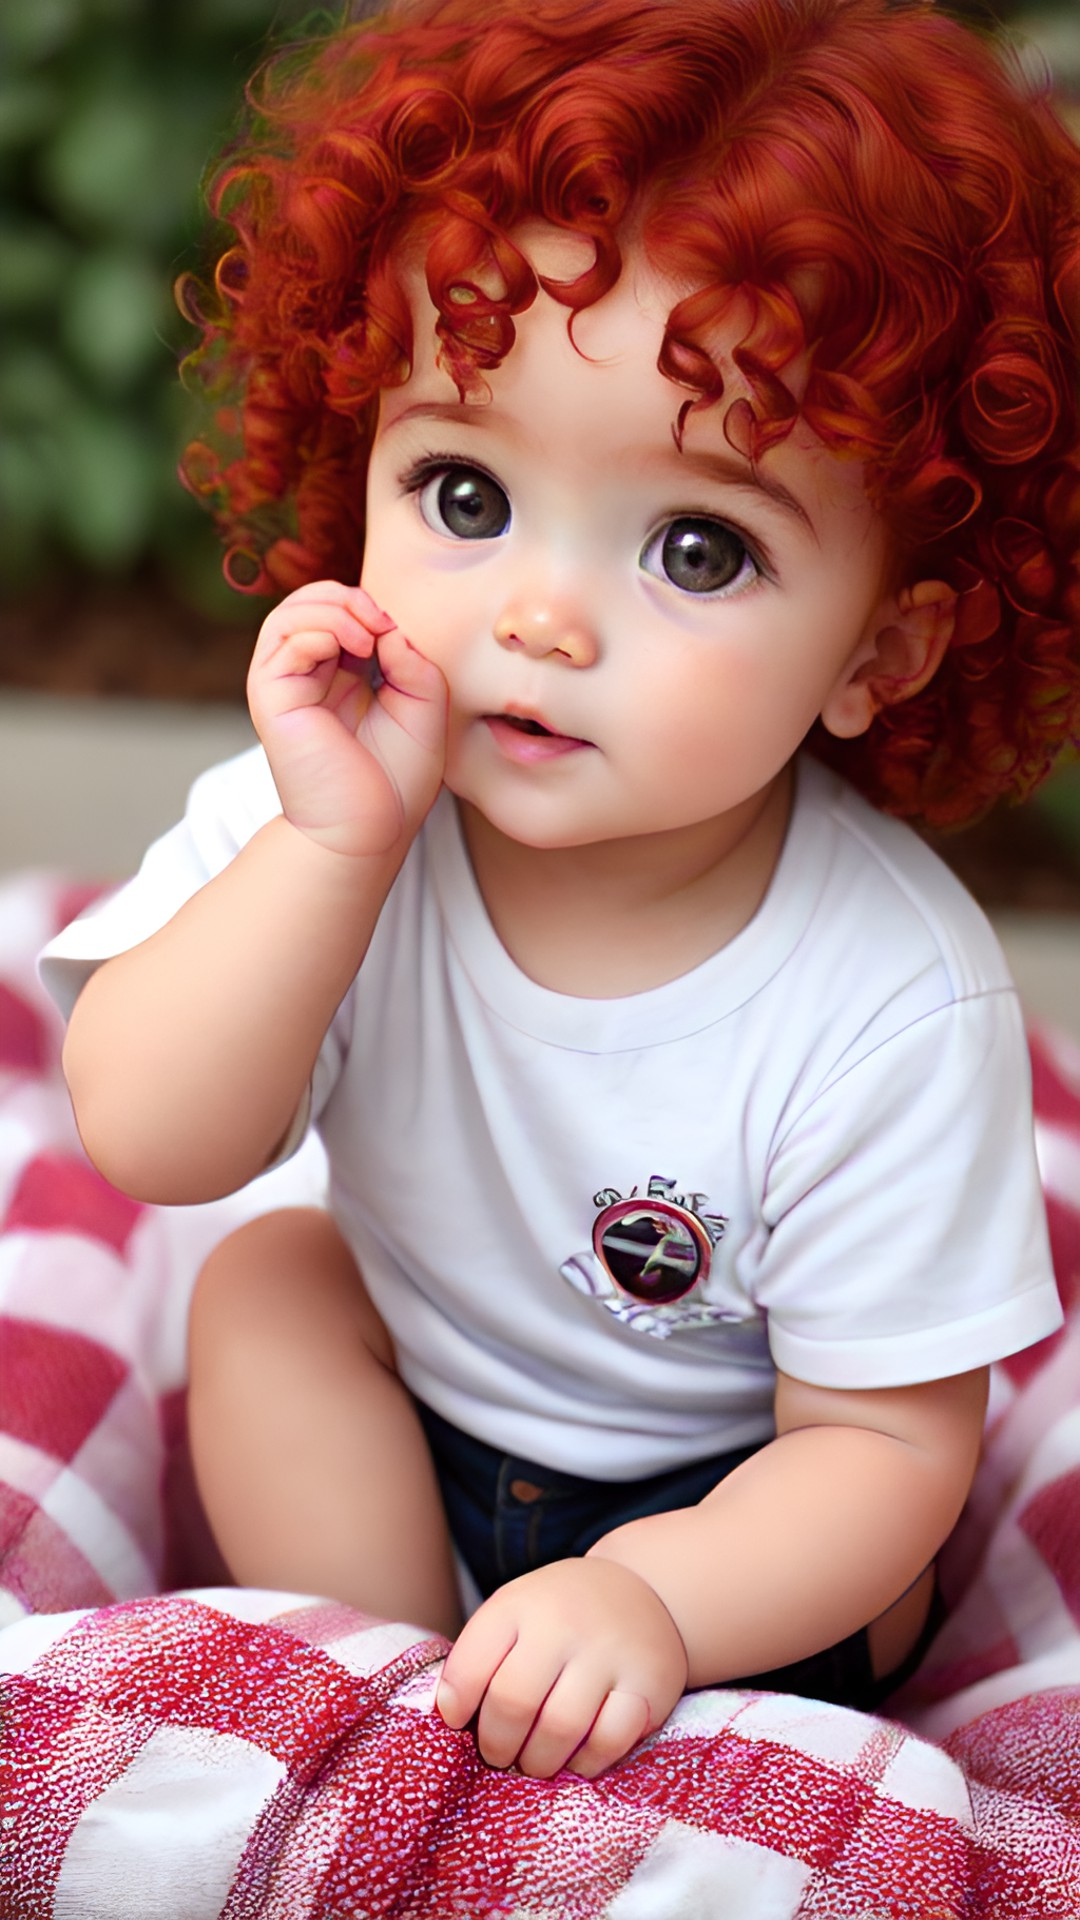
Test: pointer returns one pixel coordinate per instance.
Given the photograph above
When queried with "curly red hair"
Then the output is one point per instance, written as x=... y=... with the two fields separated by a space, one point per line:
x=885 y=191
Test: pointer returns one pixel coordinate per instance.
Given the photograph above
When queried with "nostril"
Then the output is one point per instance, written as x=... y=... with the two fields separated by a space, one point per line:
x=541 y=630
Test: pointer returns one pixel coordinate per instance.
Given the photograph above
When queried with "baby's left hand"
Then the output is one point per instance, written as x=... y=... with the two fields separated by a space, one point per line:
x=569 y=1666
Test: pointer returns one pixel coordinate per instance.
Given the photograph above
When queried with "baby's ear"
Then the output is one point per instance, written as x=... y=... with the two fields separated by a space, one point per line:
x=900 y=650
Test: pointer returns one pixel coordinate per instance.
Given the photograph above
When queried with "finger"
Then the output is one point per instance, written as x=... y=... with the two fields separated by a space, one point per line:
x=513 y=1701
x=564 y=1722
x=301 y=674
x=481 y=1646
x=622 y=1721
x=356 y=600
x=367 y=610
x=312 y=667
x=296 y=617
x=351 y=691
x=413 y=693
x=404 y=668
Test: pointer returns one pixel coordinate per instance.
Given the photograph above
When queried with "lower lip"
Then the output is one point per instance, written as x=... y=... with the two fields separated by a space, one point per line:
x=527 y=748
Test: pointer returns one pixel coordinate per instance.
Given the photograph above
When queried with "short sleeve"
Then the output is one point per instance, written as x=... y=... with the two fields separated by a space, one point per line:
x=226 y=807
x=907 y=1235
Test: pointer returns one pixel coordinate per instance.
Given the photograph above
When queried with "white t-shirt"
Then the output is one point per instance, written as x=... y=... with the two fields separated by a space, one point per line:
x=595 y=1228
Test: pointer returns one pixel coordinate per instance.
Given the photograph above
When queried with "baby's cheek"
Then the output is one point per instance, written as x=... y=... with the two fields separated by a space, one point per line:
x=398 y=585
x=377 y=579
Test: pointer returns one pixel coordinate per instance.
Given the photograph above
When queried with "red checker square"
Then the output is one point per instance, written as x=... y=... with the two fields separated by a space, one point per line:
x=1064 y=1224
x=61 y=1193
x=16 y=1512
x=1052 y=1097
x=756 y=1790
x=1051 y=1521
x=951 y=1675
x=61 y=1754
x=1022 y=1367
x=57 y=1384
x=470 y=1839
x=180 y=1662
x=897 y=1862
x=192 y=1557
x=41 y=1566
x=74 y=899
x=1029 y=1751
x=24 y=1044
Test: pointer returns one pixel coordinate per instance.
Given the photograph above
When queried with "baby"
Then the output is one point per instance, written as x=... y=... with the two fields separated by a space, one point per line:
x=692 y=392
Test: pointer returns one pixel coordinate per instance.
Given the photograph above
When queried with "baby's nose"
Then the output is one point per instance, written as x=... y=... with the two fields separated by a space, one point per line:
x=542 y=625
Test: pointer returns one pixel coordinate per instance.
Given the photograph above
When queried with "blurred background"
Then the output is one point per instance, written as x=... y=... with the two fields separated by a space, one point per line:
x=122 y=652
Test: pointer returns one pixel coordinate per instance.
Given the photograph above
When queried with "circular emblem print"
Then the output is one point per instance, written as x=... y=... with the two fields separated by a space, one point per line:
x=653 y=1250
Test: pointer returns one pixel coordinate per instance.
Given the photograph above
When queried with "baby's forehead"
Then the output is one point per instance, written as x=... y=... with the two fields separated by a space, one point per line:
x=610 y=345
x=630 y=317
x=558 y=253
x=605 y=355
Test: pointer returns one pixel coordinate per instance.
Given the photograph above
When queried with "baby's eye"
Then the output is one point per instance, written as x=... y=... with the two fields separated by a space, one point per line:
x=700 y=555
x=464 y=501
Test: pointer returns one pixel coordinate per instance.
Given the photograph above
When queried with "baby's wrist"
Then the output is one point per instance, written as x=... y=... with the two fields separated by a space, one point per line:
x=339 y=853
x=608 y=1549
x=327 y=888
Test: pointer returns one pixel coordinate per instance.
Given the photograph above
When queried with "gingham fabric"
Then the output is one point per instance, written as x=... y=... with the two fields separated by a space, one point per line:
x=224 y=1752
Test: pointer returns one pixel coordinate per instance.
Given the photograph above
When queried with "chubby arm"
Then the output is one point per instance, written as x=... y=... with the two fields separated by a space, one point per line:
x=187 y=1057
x=816 y=1535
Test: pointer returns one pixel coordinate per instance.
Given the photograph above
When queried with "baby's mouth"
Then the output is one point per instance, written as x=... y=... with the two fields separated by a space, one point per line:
x=526 y=728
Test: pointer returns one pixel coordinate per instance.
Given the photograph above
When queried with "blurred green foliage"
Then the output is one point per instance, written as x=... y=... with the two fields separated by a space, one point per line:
x=110 y=111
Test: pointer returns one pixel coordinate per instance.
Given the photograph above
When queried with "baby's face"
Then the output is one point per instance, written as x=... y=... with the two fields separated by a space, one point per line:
x=636 y=637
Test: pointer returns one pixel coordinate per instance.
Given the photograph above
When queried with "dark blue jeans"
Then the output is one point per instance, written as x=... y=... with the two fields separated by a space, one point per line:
x=508 y=1515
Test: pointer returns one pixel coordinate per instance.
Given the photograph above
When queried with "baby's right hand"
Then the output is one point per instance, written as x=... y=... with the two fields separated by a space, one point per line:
x=356 y=769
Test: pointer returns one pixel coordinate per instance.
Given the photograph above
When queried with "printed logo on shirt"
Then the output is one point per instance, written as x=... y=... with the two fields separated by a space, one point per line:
x=650 y=1258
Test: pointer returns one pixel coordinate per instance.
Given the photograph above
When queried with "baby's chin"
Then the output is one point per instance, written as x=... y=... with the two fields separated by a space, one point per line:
x=519 y=829
x=535 y=834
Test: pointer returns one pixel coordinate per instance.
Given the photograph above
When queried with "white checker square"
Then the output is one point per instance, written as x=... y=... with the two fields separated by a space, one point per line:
x=836 y=1735
x=165 y=1839
x=924 y=1778
x=28 y=1638
x=687 y=1874
x=371 y=1648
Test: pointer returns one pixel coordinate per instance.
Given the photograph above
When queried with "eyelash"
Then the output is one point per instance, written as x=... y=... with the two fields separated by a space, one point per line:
x=416 y=476
x=429 y=466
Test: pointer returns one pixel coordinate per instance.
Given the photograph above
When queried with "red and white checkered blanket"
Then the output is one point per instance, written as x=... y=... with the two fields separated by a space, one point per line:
x=224 y=1752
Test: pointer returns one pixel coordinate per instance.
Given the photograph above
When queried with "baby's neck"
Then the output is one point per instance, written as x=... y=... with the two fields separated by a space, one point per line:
x=620 y=916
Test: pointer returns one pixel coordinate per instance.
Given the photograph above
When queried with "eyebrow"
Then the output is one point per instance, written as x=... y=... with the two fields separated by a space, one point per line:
x=462 y=410
x=738 y=473
x=727 y=468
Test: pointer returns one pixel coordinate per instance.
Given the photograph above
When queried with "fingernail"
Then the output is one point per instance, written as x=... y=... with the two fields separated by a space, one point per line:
x=447 y=1702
